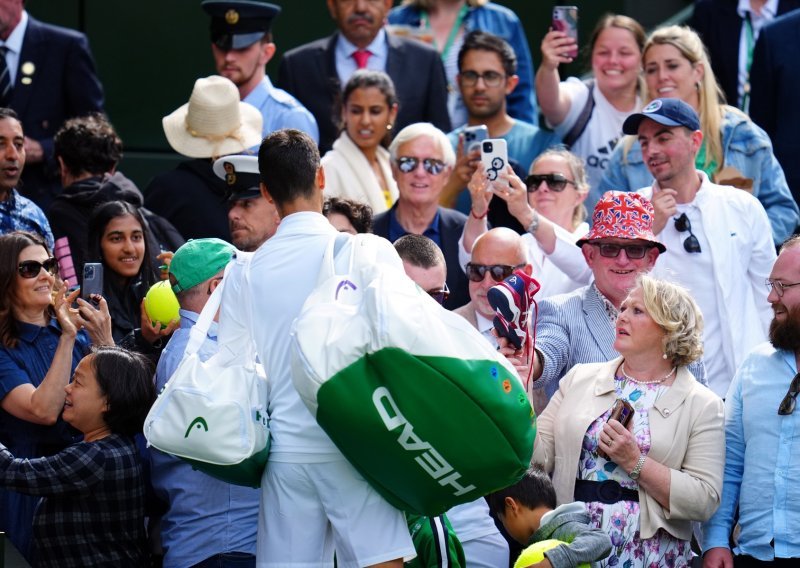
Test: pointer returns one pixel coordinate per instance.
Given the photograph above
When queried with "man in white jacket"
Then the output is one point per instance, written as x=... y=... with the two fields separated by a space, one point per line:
x=718 y=238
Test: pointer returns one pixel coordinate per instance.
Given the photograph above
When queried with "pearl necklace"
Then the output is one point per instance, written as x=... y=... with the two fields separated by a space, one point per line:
x=654 y=382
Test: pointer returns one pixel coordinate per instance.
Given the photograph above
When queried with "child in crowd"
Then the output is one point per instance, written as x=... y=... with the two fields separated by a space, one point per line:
x=529 y=514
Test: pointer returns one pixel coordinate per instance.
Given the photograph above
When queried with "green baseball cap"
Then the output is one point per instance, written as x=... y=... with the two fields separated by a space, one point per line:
x=197 y=261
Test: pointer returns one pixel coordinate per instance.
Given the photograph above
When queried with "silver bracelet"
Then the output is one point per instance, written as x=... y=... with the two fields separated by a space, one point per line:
x=637 y=470
x=534 y=223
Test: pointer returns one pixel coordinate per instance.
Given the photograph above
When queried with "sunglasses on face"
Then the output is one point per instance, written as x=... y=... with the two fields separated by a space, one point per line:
x=498 y=272
x=408 y=164
x=790 y=400
x=778 y=286
x=32 y=268
x=440 y=294
x=634 y=252
x=555 y=182
x=691 y=244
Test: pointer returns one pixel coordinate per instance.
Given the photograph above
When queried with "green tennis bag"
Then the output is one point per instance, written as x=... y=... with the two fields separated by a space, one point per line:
x=412 y=395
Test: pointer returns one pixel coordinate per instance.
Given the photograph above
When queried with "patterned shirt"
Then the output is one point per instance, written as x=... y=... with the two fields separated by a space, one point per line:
x=92 y=511
x=18 y=213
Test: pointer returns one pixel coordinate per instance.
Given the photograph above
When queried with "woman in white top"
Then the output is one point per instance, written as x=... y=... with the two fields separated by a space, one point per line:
x=358 y=167
x=549 y=203
x=616 y=49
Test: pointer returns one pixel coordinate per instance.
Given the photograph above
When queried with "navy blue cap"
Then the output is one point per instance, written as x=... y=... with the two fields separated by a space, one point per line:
x=669 y=112
x=236 y=24
x=241 y=176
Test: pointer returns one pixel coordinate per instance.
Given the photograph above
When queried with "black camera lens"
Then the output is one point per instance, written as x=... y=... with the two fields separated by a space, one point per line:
x=487 y=147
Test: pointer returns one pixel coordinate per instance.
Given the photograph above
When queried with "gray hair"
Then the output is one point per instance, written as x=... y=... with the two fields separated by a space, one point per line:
x=419 y=129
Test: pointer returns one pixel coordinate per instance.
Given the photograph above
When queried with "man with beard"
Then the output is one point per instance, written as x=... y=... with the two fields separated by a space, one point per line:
x=762 y=432
x=241 y=43
x=487 y=68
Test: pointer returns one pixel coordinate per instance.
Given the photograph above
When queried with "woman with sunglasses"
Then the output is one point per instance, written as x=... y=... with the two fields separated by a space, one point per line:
x=588 y=115
x=358 y=166
x=638 y=440
x=549 y=204
x=43 y=339
x=735 y=151
x=118 y=239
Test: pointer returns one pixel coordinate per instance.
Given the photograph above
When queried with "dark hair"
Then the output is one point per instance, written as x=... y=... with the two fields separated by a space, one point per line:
x=88 y=144
x=419 y=250
x=11 y=245
x=99 y=220
x=126 y=380
x=359 y=214
x=365 y=79
x=534 y=490
x=6 y=112
x=485 y=41
x=288 y=161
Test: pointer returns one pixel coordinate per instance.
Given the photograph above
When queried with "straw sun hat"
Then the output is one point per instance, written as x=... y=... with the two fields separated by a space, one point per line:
x=214 y=122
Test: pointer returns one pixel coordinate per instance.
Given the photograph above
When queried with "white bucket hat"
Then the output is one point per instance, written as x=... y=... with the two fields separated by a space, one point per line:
x=214 y=122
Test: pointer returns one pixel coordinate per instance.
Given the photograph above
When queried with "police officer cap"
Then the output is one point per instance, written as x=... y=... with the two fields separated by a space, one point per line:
x=236 y=24
x=240 y=174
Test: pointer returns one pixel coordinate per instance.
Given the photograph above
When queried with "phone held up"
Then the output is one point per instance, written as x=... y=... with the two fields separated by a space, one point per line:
x=92 y=281
x=473 y=136
x=565 y=19
x=494 y=157
x=622 y=411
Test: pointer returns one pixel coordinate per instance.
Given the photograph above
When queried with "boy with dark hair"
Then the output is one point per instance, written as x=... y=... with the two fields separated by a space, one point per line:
x=528 y=511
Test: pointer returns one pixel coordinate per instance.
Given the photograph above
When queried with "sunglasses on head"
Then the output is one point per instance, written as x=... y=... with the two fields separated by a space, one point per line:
x=498 y=272
x=440 y=294
x=32 y=268
x=555 y=182
x=610 y=250
x=790 y=400
x=408 y=164
x=690 y=244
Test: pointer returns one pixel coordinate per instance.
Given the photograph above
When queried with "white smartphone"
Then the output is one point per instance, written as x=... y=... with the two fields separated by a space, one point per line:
x=494 y=157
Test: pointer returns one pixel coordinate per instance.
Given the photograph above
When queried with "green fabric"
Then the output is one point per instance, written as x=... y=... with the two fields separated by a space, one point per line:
x=427 y=547
x=700 y=162
x=429 y=432
x=247 y=473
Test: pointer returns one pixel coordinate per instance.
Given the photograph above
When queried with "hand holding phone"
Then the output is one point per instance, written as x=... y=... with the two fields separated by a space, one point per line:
x=565 y=19
x=473 y=136
x=494 y=157
x=92 y=281
x=622 y=411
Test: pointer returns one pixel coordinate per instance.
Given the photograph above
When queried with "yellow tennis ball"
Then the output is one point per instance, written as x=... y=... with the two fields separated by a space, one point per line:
x=535 y=553
x=161 y=304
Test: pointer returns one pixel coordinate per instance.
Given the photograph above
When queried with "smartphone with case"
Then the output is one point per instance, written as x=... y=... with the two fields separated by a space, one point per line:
x=494 y=157
x=565 y=19
x=92 y=280
x=473 y=136
x=622 y=411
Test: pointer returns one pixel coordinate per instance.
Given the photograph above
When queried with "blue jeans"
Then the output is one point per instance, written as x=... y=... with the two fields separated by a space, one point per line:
x=228 y=560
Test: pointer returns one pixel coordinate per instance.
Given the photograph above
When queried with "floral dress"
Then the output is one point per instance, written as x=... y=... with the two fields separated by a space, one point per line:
x=621 y=520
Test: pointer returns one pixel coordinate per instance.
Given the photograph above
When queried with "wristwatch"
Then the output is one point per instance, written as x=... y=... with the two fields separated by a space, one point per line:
x=637 y=470
x=534 y=223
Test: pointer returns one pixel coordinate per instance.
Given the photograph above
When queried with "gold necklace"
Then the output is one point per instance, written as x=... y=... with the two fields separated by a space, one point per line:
x=654 y=382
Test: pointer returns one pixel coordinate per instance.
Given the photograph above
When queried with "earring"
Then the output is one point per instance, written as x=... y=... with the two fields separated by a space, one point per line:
x=664 y=356
x=389 y=126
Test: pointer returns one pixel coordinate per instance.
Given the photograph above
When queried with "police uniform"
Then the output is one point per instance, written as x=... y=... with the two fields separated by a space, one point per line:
x=237 y=24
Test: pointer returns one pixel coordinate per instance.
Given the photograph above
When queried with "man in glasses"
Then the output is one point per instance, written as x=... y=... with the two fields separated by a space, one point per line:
x=579 y=327
x=422 y=159
x=718 y=239
x=762 y=427
x=17 y=213
x=487 y=68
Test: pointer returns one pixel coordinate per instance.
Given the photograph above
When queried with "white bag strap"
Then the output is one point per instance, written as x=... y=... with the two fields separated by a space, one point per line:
x=198 y=333
x=335 y=246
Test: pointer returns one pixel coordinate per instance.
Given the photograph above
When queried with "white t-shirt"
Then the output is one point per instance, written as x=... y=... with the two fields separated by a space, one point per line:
x=551 y=275
x=601 y=134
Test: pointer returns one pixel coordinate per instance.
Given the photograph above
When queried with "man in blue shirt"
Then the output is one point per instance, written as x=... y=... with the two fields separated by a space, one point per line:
x=762 y=431
x=17 y=213
x=241 y=42
x=208 y=522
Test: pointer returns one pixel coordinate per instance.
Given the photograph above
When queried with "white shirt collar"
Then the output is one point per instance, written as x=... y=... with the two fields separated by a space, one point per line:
x=14 y=41
x=769 y=11
x=377 y=47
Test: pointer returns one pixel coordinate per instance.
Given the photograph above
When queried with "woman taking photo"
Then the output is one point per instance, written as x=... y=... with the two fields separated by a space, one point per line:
x=616 y=91
x=92 y=507
x=735 y=151
x=42 y=343
x=118 y=239
x=549 y=205
x=358 y=165
x=643 y=483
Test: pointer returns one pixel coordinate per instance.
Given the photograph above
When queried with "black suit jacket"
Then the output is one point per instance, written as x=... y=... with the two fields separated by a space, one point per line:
x=309 y=73
x=63 y=85
x=720 y=27
x=451 y=225
x=775 y=80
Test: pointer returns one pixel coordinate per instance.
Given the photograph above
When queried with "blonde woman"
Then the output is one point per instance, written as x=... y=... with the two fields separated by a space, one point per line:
x=735 y=150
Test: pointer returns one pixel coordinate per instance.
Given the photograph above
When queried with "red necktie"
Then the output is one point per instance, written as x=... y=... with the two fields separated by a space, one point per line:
x=361 y=56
